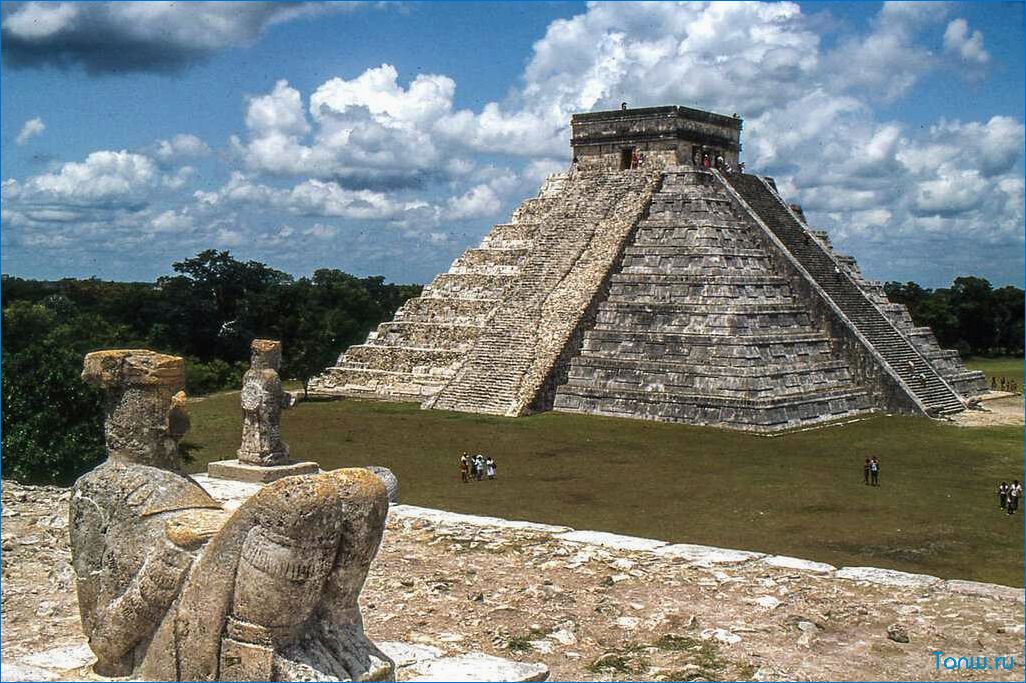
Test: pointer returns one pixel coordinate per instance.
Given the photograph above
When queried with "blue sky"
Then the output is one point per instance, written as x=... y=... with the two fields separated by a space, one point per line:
x=386 y=138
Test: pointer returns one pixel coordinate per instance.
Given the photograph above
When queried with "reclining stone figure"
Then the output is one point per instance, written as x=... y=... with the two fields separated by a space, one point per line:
x=172 y=587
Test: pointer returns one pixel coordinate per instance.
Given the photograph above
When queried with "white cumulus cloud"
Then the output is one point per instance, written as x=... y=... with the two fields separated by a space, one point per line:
x=968 y=45
x=32 y=128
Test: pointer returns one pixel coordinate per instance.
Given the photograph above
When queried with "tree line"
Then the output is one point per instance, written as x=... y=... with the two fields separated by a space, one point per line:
x=208 y=312
x=970 y=315
x=214 y=305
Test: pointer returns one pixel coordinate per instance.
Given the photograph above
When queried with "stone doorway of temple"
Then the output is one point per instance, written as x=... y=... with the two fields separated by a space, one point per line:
x=626 y=158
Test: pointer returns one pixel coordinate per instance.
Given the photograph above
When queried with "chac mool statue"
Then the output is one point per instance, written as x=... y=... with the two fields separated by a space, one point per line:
x=173 y=587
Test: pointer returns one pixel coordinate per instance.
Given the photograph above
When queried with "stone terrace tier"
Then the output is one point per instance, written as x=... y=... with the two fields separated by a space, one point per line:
x=416 y=353
x=698 y=327
x=906 y=378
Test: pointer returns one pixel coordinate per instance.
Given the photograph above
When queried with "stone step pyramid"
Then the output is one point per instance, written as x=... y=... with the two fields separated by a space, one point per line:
x=647 y=283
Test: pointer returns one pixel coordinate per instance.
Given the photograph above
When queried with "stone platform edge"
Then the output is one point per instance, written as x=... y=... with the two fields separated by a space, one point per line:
x=233 y=494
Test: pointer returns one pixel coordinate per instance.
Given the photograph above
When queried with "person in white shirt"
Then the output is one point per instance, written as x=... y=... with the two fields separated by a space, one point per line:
x=1014 y=494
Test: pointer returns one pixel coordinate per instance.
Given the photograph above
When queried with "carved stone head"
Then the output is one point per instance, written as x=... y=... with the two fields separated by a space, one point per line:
x=145 y=404
x=266 y=354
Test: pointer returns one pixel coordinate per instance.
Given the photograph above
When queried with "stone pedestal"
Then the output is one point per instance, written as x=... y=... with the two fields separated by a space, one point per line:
x=244 y=471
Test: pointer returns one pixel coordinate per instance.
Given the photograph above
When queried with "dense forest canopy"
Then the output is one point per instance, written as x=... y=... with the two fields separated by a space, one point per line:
x=214 y=305
x=970 y=315
x=208 y=312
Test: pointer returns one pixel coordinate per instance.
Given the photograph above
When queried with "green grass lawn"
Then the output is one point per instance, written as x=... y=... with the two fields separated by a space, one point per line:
x=799 y=494
x=1009 y=368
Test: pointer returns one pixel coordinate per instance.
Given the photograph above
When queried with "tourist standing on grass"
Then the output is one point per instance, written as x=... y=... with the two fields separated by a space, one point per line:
x=464 y=468
x=1003 y=495
x=479 y=467
x=865 y=472
x=1014 y=494
x=874 y=470
x=490 y=466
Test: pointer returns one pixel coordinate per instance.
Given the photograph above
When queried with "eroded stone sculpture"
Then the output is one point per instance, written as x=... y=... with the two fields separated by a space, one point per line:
x=263 y=456
x=262 y=401
x=172 y=587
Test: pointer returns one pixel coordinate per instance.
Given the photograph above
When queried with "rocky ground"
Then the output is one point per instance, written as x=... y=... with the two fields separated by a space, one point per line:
x=996 y=408
x=591 y=606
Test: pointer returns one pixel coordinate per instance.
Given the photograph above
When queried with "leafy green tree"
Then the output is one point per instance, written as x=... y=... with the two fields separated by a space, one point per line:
x=52 y=421
x=206 y=305
x=972 y=303
x=1009 y=306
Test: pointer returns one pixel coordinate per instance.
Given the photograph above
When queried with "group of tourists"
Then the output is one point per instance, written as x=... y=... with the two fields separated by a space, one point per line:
x=1004 y=385
x=1009 y=496
x=871 y=472
x=476 y=467
x=700 y=157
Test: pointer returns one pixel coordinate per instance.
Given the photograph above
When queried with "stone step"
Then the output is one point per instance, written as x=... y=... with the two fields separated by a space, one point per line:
x=427 y=335
x=693 y=251
x=647 y=292
x=377 y=384
x=763 y=414
x=510 y=235
x=489 y=260
x=666 y=319
x=468 y=286
x=726 y=381
x=697 y=264
x=399 y=358
x=693 y=279
x=455 y=311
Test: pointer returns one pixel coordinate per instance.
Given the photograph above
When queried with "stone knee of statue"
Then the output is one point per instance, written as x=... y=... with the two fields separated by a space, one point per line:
x=336 y=642
x=288 y=567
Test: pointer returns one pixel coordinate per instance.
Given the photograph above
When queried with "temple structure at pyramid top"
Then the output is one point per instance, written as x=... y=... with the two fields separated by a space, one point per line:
x=661 y=136
x=653 y=280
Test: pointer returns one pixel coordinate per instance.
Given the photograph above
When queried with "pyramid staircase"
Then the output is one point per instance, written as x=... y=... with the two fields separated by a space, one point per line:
x=902 y=360
x=513 y=365
x=947 y=362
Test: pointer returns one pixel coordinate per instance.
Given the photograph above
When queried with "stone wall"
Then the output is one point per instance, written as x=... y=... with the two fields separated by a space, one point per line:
x=665 y=136
x=454 y=586
x=699 y=327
